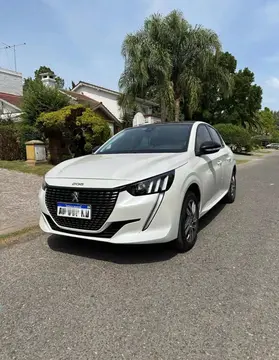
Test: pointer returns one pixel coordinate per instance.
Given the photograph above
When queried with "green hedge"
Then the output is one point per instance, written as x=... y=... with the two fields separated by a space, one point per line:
x=236 y=137
x=12 y=140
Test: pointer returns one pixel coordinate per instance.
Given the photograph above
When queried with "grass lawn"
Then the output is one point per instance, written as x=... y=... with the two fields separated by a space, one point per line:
x=262 y=151
x=238 y=162
x=22 y=166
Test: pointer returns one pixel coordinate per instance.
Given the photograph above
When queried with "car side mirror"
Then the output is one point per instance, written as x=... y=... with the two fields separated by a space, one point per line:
x=209 y=147
x=95 y=149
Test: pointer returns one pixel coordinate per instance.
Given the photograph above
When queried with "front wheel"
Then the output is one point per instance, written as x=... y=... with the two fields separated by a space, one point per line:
x=188 y=225
x=230 y=196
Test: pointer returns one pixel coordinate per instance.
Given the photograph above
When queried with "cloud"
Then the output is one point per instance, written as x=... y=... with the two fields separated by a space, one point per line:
x=214 y=14
x=273 y=82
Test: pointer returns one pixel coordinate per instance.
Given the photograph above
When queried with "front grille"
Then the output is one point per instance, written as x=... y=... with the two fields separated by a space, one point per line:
x=108 y=233
x=102 y=204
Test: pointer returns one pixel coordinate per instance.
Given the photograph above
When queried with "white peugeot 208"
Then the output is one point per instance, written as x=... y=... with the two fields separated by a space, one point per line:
x=147 y=184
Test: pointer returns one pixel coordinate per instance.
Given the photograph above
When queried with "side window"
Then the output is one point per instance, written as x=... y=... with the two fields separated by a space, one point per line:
x=202 y=136
x=215 y=136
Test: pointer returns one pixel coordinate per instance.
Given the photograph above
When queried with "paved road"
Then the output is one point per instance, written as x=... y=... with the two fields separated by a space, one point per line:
x=62 y=299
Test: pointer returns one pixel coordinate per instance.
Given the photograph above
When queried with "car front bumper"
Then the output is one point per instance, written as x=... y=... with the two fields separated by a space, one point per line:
x=139 y=220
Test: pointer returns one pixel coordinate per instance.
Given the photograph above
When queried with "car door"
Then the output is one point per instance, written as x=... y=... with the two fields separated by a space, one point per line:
x=210 y=167
x=225 y=156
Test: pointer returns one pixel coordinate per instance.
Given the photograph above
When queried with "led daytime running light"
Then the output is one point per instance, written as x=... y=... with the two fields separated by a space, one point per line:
x=156 y=185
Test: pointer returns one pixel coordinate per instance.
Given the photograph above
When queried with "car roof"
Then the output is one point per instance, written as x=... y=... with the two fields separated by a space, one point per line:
x=166 y=124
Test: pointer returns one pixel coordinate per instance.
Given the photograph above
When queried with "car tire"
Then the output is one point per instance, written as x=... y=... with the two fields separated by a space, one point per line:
x=230 y=196
x=188 y=224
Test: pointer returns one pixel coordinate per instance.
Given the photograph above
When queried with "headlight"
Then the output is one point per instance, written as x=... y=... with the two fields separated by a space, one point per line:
x=155 y=185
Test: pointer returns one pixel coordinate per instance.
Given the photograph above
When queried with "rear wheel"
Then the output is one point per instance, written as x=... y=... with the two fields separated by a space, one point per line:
x=230 y=196
x=188 y=225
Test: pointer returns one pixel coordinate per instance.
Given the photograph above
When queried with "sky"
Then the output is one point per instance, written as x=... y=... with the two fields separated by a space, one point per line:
x=81 y=39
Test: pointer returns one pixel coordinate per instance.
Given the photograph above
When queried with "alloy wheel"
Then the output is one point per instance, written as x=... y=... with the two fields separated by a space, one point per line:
x=233 y=186
x=191 y=221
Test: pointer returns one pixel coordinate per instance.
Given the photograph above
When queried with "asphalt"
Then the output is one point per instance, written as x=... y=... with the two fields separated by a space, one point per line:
x=71 y=300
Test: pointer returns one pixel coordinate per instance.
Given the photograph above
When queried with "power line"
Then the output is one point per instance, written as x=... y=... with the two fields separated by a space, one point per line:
x=6 y=46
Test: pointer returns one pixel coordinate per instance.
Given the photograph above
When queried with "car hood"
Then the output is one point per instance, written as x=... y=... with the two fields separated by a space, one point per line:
x=129 y=167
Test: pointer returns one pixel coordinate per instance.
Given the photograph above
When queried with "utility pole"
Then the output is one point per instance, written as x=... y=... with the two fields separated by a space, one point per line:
x=6 y=46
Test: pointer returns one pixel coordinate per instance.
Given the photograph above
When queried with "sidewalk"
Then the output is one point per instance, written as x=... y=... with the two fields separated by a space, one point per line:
x=18 y=200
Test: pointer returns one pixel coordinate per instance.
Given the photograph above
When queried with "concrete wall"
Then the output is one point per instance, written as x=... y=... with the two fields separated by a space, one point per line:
x=10 y=82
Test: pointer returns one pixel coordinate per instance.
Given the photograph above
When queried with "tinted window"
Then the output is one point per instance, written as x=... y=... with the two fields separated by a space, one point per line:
x=215 y=136
x=202 y=136
x=149 y=139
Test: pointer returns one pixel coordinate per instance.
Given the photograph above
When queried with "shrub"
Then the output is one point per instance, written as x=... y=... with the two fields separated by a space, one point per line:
x=9 y=143
x=73 y=129
x=26 y=133
x=236 y=137
x=12 y=140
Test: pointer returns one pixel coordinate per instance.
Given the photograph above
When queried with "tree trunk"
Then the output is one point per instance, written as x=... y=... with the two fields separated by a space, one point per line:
x=177 y=109
x=163 y=112
x=55 y=149
x=188 y=113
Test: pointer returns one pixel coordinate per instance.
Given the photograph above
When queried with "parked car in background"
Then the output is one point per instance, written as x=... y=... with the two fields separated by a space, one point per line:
x=273 y=146
x=147 y=184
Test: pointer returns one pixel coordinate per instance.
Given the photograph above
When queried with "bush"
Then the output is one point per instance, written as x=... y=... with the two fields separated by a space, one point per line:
x=236 y=137
x=26 y=133
x=12 y=140
x=9 y=143
x=73 y=130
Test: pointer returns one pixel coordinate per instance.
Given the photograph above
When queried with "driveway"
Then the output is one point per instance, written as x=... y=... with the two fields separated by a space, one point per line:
x=18 y=200
x=65 y=299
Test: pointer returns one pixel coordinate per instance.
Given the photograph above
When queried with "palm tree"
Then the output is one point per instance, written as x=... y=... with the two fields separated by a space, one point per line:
x=166 y=60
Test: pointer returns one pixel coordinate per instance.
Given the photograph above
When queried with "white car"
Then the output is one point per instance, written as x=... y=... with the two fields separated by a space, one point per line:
x=147 y=184
x=273 y=146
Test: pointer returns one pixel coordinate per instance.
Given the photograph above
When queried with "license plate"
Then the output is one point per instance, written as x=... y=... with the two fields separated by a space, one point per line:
x=77 y=211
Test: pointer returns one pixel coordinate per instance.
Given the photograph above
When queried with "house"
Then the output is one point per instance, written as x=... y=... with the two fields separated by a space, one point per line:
x=110 y=99
x=76 y=98
x=11 y=88
x=10 y=106
x=98 y=107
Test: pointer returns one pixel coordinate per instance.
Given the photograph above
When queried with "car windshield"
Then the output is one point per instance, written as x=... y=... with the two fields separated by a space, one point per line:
x=149 y=139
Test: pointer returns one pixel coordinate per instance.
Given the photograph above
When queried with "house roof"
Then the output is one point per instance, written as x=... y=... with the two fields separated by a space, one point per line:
x=109 y=91
x=14 y=100
x=95 y=104
x=82 y=98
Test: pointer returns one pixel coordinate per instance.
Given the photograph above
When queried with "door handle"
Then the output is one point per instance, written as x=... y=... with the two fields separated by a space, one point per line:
x=219 y=162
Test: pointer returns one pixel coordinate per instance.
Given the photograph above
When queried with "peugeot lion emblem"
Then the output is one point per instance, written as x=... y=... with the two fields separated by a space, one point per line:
x=75 y=196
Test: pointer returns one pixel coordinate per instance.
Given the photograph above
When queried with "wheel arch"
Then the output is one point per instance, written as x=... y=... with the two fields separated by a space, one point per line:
x=195 y=189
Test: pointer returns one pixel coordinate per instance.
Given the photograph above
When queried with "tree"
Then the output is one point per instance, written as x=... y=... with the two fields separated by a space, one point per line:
x=217 y=84
x=276 y=117
x=73 y=130
x=267 y=122
x=39 y=98
x=166 y=60
x=242 y=107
